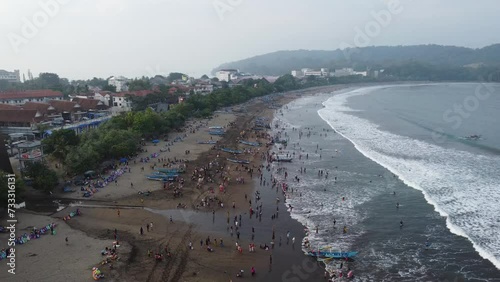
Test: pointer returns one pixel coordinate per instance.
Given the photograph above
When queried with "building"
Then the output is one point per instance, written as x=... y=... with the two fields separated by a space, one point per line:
x=89 y=104
x=10 y=76
x=323 y=72
x=297 y=73
x=347 y=72
x=119 y=82
x=21 y=97
x=203 y=88
x=120 y=102
x=225 y=74
x=16 y=120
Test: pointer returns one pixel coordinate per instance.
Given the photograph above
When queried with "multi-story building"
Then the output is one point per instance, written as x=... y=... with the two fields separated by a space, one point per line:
x=10 y=76
x=226 y=74
x=119 y=82
x=347 y=72
x=310 y=72
x=21 y=97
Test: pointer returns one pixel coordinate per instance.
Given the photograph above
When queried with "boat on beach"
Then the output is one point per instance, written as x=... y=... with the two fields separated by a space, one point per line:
x=162 y=177
x=218 y=133
x=255 y=144
x=332 y=255
x=231 y=151
x=212 y=142
x=238 y=161
x=279 y=158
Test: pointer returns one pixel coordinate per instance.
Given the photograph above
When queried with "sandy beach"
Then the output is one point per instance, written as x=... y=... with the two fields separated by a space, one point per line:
x=204 y=220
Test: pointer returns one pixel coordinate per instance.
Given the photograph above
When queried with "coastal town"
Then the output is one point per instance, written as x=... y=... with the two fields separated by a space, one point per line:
x=140 y=216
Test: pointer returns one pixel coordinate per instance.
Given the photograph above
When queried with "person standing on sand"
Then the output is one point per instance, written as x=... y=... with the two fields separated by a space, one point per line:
x=67 y=241
x=147 y=227
x=118 y=212
x=142 y=231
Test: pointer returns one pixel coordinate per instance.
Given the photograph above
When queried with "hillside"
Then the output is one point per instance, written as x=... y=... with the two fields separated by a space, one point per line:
x=281 y=62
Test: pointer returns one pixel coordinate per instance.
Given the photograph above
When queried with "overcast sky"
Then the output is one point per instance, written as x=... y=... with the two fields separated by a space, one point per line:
x=80 y=39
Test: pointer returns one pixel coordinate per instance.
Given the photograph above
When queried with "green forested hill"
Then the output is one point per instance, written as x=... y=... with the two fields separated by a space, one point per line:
x=281 y=62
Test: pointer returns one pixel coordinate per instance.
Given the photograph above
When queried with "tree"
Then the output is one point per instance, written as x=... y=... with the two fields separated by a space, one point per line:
x=109 y=87
x=60 y=142
x=4 y=189
x=204 y=76
x=82 y=158
x=50 y=81
x=44 y=179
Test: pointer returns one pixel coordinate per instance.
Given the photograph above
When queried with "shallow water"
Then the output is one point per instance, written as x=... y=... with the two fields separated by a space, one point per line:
x=392 y=154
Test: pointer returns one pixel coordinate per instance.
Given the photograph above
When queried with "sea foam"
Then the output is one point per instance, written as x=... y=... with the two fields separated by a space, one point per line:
x=460 y=185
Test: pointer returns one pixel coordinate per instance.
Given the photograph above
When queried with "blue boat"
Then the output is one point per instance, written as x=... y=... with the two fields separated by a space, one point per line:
x=218 y=133
x=255 y=144
x=238 y=161
x=212 y=142
x=333 y=255
x=231 y=151
x=163 y=177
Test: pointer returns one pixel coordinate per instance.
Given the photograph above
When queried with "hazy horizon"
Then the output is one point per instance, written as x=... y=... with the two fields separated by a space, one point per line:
x=133 y=38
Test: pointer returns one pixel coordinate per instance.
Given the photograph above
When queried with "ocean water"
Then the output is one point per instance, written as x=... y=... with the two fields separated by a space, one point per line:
x=400 y=153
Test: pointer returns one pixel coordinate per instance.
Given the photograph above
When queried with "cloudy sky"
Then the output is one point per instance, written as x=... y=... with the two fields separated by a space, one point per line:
x=80 y=39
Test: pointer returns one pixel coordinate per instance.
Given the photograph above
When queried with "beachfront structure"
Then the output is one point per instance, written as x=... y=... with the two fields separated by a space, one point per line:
x=347 y=72
x=29 y=152
x=21 y=97
x=226 y=74
x=10 y=76
x=119 y=82
x=323 y=72
x=26 y=118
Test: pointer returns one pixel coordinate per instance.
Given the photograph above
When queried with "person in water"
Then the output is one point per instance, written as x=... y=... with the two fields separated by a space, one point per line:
x=401 y=223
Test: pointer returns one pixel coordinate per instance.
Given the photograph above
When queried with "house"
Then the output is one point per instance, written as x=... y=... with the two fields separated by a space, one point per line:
x=119 y=82
x=44 y=110
x=120 y=103
x=90 y=104
x=15 y=120
x=203 y=88
x=70 y=111
x=9 y=107
x=225 y=74
x=21 y=97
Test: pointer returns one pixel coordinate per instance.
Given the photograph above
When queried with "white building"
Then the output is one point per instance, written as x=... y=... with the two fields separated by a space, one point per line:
x=203 y=88
x=347 y=72
x=297 y=73
x=119 y=82
x=226 y=74
x=322 y=72
x=10 y=76
x=120 y=103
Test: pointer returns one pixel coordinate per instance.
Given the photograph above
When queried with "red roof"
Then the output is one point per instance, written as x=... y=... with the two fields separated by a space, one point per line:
x=30 y=94
x=64 y=106
x=8 y=107
x=42 y=108
x=18 y=116
x=89 y=104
